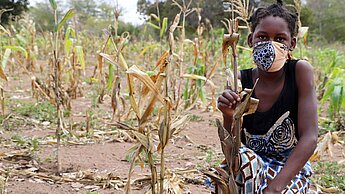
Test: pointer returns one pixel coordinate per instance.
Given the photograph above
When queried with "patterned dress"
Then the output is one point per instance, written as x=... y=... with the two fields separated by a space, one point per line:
x=269 y=138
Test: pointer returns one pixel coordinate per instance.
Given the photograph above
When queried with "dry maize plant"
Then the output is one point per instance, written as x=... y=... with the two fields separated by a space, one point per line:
x=185 y=10
x=53 y=89
x=10 y=54
x=197 y=75
x=29 y=32
x=21 y=37
x=230 y=140
x=74 y=62
x=114 y=81
x=153 y=88
x=3 y=76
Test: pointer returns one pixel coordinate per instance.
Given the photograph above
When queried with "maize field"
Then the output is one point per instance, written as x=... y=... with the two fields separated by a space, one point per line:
x=115 y=113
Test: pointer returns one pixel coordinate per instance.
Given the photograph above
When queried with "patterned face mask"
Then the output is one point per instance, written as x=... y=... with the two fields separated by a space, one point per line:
x=270 y=56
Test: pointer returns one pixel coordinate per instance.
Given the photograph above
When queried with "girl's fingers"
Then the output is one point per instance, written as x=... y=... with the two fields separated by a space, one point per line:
x=221 y=104
x=236 y=97
x=231 y=96
x=224 y=100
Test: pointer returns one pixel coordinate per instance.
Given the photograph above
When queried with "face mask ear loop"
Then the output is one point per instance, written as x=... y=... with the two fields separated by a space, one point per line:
x=289 y=55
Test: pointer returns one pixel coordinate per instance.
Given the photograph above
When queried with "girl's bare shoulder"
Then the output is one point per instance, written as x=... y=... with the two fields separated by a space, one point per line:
x=304 y=74
x=303 y=66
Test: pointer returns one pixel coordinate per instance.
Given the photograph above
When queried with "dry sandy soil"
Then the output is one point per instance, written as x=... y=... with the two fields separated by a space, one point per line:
x=98 y=154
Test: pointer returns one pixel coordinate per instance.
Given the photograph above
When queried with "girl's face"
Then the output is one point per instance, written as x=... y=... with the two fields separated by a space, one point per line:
x=272 y=28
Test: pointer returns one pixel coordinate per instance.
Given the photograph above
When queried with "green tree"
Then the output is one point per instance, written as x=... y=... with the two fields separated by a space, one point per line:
x=43 y=17
x=10 y=9
x=329 y=19
x=92 y=16
x=212 y=12
x=307 y=16
x=85 y=8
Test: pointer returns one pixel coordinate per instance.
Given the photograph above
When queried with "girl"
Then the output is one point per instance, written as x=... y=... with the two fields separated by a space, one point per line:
x=282 y=134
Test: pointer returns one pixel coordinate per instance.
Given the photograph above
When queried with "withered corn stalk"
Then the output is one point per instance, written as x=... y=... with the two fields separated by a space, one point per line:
x=231 y=140
x=185 y=11
x=142 y=132
x=59 y=110
x=56 y=78
x=164 y=131
x=56 y=75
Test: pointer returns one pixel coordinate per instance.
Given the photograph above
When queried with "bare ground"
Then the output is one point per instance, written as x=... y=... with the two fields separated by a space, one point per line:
x=99 y=155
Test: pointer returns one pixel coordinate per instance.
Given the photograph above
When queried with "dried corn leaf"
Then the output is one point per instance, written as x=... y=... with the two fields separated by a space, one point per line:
x=227 y=142
x=159 y=114
x=245 y=104
x=144 y=140
x=225 y=46
x=127 y=188
x=132 y=100
x=143 y=77
x=325 y=145
x=2 y=74
x=213 y=87
x=329 y=190
x=123 y=61
x=115 y=95
x=124 y=126
x=25 y=153
x=252 y=103
x=122 y=42
x=195 y=53
x=145 y=90
x=99 y=63
x=243 y=9
x=220 y=182
x=178 y=124
x=171 y=31
x=122 y=64
x=213 y=70
x=175 y=23
x=163 y=133
x=109 y=58
x=199 y=77
x=152 y=103
x=172 y=185
x=91 y=177
x=161 y=63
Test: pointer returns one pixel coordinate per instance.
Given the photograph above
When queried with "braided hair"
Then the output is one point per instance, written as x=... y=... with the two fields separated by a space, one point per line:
x=275 y=10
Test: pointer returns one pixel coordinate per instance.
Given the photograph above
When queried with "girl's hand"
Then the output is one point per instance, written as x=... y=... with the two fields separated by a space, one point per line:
x=271 y=190
x=227 y=103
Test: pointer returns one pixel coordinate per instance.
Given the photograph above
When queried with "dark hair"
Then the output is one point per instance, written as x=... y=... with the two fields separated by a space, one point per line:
x=275 y=10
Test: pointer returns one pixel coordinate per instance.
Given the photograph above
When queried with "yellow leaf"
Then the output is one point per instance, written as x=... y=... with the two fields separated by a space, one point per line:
x=314 y=157
x=329 y=190
x=2 y=74
x=150 y=107
x=146 y=80
x=161 y=62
